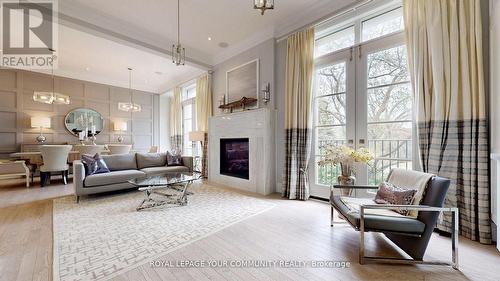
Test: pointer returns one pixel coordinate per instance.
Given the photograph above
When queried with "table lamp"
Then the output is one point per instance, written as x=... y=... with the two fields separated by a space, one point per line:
x=120 y=126
x=40 y=122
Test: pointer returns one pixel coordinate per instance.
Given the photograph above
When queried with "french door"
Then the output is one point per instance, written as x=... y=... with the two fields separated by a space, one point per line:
x=362 y=98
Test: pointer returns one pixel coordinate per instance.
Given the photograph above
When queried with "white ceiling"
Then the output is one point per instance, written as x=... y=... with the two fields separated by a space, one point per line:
x=88 y=57
x=108 y=36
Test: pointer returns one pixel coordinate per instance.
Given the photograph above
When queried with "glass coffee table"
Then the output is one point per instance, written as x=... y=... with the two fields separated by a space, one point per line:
x=165 y=188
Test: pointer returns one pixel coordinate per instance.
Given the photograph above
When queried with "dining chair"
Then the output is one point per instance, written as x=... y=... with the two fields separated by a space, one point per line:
x=10 y=169
x=89 y=149
x=153 y=149
x=55 y=159
x=119 y=148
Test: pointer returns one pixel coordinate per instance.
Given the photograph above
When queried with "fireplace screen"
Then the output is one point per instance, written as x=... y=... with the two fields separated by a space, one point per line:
x=234 y=158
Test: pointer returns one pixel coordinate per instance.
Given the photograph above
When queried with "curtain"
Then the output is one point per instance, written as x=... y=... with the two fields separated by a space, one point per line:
x=298 y=95
x=203 y=112
x=176 y=138
x=446 y=67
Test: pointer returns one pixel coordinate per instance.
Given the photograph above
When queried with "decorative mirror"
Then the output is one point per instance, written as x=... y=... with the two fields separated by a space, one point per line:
x=84 y=119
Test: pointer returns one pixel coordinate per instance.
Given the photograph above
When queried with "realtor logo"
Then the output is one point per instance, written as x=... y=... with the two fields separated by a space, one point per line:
x=29 y=34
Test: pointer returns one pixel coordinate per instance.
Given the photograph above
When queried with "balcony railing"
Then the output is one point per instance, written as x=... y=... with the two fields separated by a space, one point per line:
x=388 y=154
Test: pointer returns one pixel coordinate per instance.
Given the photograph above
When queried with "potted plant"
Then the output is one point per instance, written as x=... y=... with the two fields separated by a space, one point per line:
x=345 y=157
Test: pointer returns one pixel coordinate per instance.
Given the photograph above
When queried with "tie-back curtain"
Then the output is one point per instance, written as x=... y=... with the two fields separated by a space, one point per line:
x=203 y=112
x=176 y=140
x=446 y=66
x=298 y=96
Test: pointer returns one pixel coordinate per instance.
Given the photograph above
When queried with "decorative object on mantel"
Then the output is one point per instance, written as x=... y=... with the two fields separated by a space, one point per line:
x=243 y=81
x=51 y=97
x=222 y=101
x=129 y=106
x=40 y=122
x=267 y=93
x=263 y=5
x=346 y=157
x=178 y=52
x=120 y=126
x=237 y=104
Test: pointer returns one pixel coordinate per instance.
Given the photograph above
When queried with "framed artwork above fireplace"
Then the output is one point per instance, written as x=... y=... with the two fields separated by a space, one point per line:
x=243 y=81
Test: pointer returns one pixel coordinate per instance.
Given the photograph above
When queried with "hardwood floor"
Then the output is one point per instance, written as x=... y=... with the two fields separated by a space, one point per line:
x=292 y=231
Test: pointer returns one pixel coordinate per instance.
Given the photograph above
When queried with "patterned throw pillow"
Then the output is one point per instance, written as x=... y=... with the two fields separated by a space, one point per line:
x=174 y=158
x=390 y=194
x=94 y=164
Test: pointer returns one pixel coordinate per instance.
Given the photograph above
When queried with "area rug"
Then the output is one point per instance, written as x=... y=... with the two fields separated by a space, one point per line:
x=102 y=237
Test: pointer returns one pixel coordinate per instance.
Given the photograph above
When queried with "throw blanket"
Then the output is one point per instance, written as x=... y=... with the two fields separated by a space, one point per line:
x=409 y=179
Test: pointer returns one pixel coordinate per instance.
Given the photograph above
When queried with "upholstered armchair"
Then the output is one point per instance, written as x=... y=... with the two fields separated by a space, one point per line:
x=119 y=148
x=10 y=169
x=410 y=234
x=55 y=159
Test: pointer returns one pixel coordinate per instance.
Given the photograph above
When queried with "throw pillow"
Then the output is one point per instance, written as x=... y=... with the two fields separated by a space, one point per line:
x=174 y=159
x=94 y=164
x=390 y=194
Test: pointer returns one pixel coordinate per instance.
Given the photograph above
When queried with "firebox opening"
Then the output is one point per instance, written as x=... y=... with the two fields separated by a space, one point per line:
x=234 y=157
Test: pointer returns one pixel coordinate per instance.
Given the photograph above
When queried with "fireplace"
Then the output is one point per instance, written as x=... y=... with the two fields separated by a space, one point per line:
x=234 y=157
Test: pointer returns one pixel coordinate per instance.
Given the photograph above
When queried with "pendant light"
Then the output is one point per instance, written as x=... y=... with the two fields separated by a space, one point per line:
x=178 y=52
x=263 y=5
x=129 y=106
x=51 y=97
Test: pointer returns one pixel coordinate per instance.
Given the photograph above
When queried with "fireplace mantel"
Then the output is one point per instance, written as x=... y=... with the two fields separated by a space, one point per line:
x=256 y=125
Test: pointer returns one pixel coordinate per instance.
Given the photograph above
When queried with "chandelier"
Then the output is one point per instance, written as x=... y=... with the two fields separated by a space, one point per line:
x=178 y=52
x=263 y=5
x=129 y=106
x=51 y=97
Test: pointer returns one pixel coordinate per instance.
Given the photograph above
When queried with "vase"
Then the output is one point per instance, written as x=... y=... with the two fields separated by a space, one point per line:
x=346 y=178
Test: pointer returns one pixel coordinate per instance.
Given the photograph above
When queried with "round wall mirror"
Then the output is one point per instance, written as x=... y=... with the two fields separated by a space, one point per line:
x=81 y=119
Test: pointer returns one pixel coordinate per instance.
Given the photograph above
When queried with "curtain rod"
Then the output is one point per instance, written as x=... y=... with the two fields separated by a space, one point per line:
x=326 y=18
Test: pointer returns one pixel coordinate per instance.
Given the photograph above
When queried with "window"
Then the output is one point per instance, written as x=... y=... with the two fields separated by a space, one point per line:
x=336 y=41
x=188 y=118
x=386 y=23
x=389 y=112
x=330 y=114
x=362 y=95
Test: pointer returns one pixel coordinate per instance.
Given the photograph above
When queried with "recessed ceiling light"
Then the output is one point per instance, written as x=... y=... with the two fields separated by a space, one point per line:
x=209 y=38
x=87 y=68
x=223 y=44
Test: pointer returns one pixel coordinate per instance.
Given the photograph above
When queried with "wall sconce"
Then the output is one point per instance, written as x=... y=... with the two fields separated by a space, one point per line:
x=267 y=93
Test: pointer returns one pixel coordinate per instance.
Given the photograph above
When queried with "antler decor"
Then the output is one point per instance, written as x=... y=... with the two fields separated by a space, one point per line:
x=243 y=102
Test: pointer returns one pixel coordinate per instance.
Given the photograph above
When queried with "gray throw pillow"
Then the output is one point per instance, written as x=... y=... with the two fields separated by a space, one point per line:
x=390 y=194
x=146 y=160
x=94 y=164
x=174 y=159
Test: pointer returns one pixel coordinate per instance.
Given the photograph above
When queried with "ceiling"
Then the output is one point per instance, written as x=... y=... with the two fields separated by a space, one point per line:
x=99 y=39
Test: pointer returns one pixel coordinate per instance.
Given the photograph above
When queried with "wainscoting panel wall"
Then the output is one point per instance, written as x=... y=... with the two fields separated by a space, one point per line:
x=17 y=107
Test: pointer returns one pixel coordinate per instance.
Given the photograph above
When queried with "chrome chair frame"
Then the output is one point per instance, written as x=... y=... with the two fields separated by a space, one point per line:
x=420 y=208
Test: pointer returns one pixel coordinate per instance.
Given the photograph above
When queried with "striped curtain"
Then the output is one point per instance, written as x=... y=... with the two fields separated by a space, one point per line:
x=298 y=95
x=446 y=65
x=176 y=138
x=203 y=112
